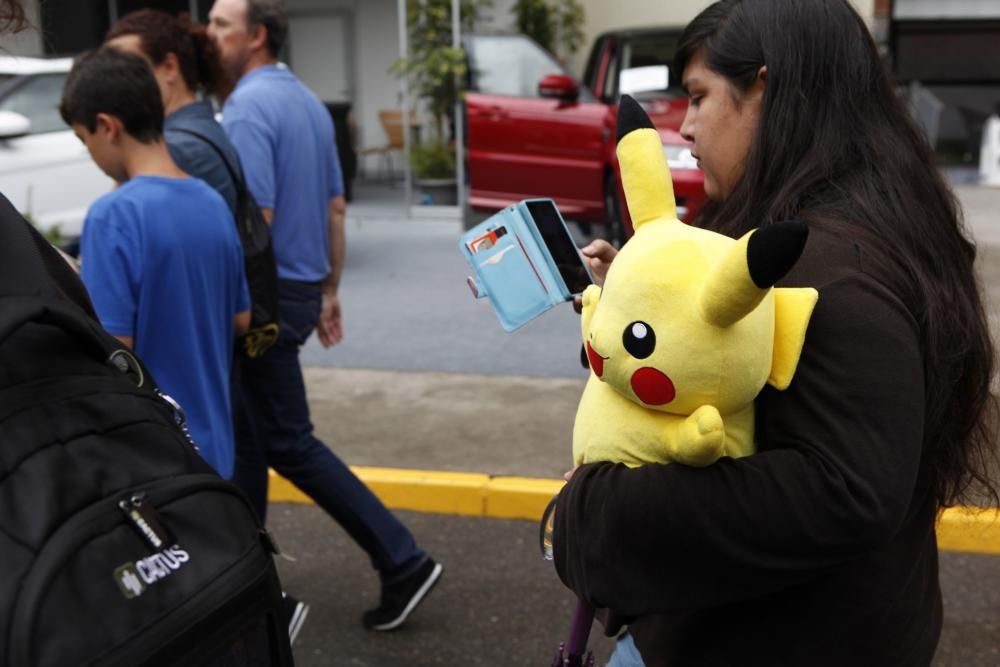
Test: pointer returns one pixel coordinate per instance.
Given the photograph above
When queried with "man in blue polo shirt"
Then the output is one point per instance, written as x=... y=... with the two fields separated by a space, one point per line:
x=160 y=255
x=285 y=139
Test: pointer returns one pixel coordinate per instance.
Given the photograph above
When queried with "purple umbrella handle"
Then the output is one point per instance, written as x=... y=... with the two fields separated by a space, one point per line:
x=579 y=631
x=562 y=660
x=573 y=653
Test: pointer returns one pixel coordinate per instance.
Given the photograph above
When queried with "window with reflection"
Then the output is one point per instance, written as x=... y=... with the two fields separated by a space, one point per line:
x=653 y=49
x=508 y=65
x=38 y=100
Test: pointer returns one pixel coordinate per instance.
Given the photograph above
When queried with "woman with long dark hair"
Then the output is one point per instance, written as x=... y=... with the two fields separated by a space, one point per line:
x=820 y=549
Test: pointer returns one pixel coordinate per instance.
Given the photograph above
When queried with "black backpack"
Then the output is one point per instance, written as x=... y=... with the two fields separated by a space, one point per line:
x=258 y=258
x=119 y=545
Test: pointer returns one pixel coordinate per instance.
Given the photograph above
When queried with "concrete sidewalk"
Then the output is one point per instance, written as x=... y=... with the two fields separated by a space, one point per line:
x=493 y=424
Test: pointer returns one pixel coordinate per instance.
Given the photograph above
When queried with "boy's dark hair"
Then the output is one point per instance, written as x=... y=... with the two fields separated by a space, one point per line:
x=116 y=83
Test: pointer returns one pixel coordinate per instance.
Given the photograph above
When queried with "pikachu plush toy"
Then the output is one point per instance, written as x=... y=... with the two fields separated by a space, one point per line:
x=688 y=327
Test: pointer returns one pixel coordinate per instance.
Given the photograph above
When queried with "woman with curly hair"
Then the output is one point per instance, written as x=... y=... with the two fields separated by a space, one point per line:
x=186 y=64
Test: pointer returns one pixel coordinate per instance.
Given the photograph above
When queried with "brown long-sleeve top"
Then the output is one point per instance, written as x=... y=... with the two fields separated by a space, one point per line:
x=819 y=549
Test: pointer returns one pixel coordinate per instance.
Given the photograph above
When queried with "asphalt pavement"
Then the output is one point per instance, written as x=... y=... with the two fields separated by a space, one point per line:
x=407 y=307
x=499 y=604
x=427 y=379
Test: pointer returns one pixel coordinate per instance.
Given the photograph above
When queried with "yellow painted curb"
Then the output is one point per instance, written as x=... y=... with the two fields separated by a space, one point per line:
x=416 y=490
x=969 y=529
x=519 y=497
x=472 y=494
x=427 y=490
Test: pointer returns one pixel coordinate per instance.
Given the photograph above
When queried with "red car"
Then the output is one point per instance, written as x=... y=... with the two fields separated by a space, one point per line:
x=534 y=131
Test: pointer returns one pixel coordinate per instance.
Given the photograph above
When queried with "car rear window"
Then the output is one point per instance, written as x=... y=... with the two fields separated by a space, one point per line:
x=653 y=49
x=38 y=100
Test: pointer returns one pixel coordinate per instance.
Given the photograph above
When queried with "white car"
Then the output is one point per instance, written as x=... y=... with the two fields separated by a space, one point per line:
x=45 y=171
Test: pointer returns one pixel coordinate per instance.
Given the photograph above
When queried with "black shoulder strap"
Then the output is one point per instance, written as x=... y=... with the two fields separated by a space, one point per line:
x=238 y=180
x=22 y=271
x=30 y=266
x=36 y=284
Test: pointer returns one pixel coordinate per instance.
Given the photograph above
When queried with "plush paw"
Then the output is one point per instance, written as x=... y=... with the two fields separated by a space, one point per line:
x=591 y=296
x=703 y=437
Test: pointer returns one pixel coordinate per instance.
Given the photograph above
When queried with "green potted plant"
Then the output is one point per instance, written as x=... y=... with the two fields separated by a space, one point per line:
x=433 y=166
x=436 y=72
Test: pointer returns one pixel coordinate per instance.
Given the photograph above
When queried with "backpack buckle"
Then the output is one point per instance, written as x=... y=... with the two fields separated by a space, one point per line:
x=125 y=361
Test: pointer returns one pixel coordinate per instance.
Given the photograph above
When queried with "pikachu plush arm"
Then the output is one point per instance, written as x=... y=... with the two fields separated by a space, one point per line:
x=591 y=296
x=697 y=440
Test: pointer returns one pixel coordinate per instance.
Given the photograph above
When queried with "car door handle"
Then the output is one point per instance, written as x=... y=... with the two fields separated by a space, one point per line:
x=499 y=113
x=493 y=112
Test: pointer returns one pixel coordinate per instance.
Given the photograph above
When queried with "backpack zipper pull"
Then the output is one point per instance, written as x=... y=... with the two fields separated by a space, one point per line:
x=144 y=518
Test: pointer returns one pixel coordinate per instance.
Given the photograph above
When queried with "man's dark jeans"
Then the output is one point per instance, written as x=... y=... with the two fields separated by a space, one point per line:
x=273 y=428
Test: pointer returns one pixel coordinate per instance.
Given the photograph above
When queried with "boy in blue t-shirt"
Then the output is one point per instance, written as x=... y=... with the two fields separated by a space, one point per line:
x=160 y=255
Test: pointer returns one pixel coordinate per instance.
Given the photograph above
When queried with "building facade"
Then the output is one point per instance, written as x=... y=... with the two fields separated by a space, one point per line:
x=947 y=53
x=342 y=49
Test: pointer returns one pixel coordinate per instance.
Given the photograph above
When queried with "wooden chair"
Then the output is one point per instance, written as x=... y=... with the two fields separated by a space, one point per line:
x=392 y=125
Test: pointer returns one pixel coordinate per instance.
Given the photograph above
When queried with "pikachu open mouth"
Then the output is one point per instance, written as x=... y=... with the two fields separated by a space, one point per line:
x=596 y=361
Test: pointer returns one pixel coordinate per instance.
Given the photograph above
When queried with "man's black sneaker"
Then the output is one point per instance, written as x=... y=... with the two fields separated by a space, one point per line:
x=399 y=599
x=295 y=613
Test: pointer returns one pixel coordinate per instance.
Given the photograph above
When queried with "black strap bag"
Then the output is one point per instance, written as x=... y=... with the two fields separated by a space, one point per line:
x=258 y=257
x=119 y=545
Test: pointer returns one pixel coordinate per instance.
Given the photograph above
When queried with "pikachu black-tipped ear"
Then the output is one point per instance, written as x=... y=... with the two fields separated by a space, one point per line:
x=649 y=191
x=773 y=251
x=631 y=116
x=750 y=268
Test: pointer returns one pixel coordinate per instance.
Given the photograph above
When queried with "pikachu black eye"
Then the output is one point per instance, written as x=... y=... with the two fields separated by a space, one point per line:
x=639 y=340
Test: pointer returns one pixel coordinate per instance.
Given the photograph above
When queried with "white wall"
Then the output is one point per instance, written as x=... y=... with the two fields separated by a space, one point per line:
x=376 y=46
x=27 y=43
x=498 y=17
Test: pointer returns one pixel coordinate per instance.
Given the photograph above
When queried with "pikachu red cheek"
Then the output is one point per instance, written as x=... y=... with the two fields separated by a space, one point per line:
x=653 y=387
